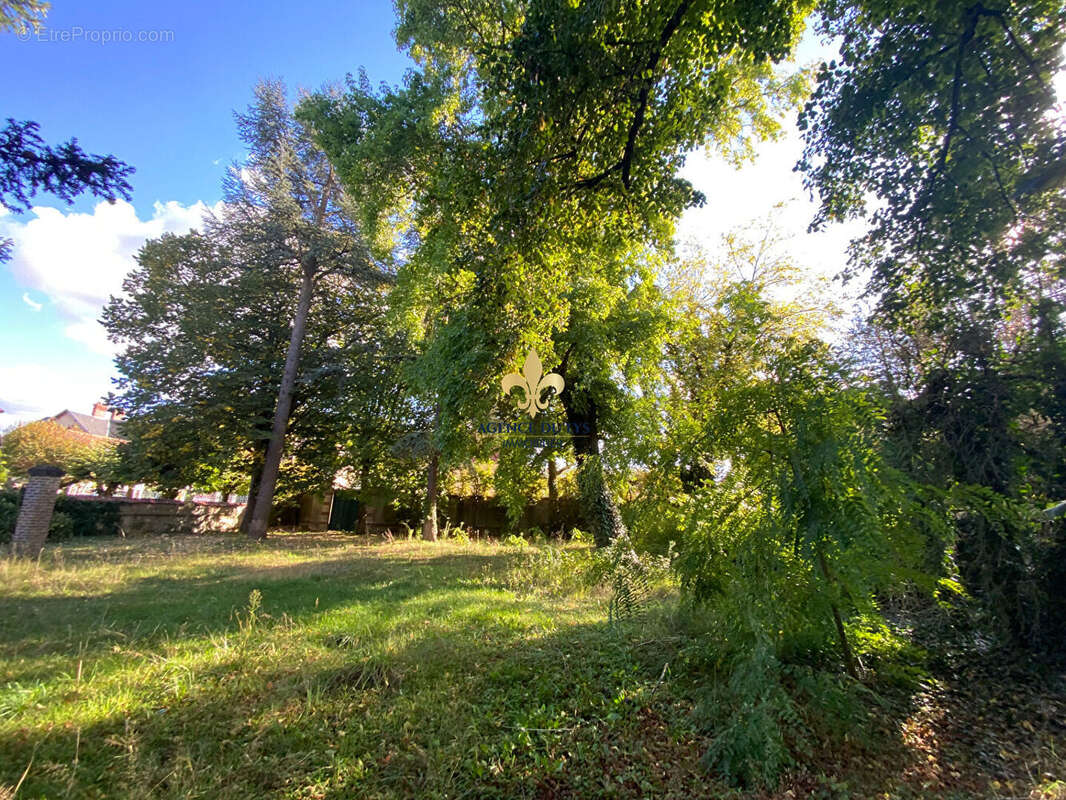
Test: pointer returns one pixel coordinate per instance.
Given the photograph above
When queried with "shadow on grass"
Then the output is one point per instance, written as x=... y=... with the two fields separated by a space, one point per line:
x=499 y=712
x=150 y=611
x=461 y=701
x=459 y=692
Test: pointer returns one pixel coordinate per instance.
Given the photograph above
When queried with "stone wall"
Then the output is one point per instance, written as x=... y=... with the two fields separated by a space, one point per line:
x=147 y=517
x=115 y=516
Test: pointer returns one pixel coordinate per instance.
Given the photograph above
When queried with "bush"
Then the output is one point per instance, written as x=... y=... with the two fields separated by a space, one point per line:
x=458 y=534
x=88 y=517
x=788 y=553
x=1010 y=558
x=72 y=517
x=9 y=505
x=62 y=527
x=578 y=536
x=631 y=575
x=751 y=714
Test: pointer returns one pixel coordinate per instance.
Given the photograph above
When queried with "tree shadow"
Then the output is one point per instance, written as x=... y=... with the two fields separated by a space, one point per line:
x=155 y=609
x=473 y=693
x=500 y=713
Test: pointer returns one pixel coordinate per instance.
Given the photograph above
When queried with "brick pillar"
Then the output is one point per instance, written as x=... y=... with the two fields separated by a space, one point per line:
x=35 y=512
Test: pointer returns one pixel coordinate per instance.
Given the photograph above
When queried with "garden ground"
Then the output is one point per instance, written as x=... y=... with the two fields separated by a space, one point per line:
x=332 y=666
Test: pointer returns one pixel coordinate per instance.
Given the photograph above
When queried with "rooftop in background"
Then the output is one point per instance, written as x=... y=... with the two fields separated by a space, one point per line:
x=102 y=422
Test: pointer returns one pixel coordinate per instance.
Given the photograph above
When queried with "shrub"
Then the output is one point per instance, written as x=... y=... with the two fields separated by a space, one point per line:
x=579 y=536
x=61 y=527
x=9 y=504
x=792 y=548
x=88 y=517
x=72 y=517
x=751 y=713
x=1010 y=559
x=631 y=575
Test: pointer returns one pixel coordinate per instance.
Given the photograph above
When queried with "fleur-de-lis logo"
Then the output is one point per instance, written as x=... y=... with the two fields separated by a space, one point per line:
x=533 y=383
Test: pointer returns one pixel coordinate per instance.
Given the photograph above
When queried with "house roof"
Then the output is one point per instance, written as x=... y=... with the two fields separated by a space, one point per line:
x=97 y=426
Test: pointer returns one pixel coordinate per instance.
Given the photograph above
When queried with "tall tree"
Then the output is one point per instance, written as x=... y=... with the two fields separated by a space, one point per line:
x=945 y=114
x=204 y=335
x=532 y=158
x=286 y=207
x=260 y=326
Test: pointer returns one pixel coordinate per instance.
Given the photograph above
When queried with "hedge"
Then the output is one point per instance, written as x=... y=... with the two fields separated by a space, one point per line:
x=72 y=517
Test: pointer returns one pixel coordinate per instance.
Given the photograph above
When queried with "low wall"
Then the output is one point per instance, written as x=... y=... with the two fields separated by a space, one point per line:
x=129 y=517
x=143 y=517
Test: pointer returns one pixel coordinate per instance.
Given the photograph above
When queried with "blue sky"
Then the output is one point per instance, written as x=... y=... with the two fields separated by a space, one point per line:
x=166 y=107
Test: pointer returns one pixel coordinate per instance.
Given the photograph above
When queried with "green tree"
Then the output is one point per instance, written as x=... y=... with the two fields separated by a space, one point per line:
x=946 y=116
x=260 y=328
x=286 y=209
x=771 y=478
x=204 y=335
x=106 y=466
x=530 y=163
x=945 y=113
x=47 y=442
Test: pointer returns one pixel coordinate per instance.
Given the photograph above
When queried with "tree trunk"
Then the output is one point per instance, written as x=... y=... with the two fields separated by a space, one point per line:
x=362 y=527
x=264 y=500
x=254 y=480
x=553 y=496
x=429 y=525
x=598 y=506
x=845 y=647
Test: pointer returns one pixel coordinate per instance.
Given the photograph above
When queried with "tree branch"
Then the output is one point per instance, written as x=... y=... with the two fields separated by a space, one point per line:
x=643 y=96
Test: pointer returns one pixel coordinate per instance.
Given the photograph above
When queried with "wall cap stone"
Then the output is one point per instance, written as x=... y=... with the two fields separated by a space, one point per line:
x=46 y=470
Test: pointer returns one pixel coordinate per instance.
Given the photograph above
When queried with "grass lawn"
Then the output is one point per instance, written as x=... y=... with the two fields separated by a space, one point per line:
x=331 y=666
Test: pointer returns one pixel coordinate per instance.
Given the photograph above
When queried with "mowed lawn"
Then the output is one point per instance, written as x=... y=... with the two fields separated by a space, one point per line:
x=327 y=666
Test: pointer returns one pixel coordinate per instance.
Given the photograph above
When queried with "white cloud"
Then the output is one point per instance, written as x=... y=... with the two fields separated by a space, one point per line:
x=30 y=302
x=34 y=391
x=91 y=334
x=79 y=260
